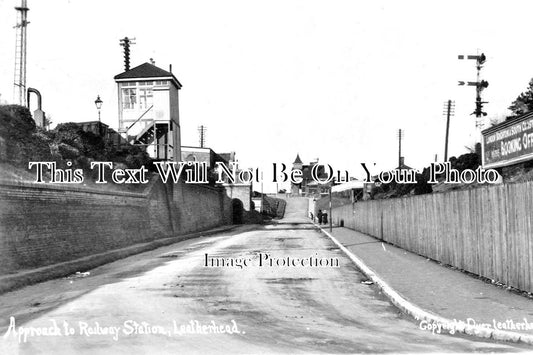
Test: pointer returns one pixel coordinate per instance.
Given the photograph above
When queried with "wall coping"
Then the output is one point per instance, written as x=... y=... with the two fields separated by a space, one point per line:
x=77 y=188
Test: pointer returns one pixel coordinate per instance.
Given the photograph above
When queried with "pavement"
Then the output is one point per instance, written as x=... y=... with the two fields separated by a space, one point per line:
x=443 y=293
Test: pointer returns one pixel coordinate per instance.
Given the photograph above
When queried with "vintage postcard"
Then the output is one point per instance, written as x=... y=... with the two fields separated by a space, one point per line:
x=266 y=177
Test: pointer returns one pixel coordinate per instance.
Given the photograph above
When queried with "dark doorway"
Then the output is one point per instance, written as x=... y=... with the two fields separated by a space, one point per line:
x=238 y=209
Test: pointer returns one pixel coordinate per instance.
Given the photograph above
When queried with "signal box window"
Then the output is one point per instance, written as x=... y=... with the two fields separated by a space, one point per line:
x=129 y=98
x=146 y=98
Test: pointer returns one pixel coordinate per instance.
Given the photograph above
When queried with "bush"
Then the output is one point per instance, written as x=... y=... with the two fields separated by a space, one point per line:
x=22 y=142
x=137 y=157
x=16 y=122
x=466 y=161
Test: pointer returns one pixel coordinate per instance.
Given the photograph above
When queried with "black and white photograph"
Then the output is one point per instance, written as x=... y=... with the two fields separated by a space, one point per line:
x=266 y=177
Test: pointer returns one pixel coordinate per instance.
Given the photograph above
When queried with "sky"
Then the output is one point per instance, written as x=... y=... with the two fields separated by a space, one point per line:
x=332 y=80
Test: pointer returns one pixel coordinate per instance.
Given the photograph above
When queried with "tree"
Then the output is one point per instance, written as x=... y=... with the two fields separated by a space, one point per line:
x=48 y=121
x=524 y=102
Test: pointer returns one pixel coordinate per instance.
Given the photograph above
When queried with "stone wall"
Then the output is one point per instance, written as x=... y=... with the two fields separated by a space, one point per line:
x=242 y=192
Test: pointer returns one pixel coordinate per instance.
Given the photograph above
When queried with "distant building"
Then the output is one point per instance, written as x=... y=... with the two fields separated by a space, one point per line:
x=210 y=157
x=386 y=174
x=96 y=127
x=103 y=130
x=206 y=155
x=355 y=190
x=308 y=186
x=148 y=110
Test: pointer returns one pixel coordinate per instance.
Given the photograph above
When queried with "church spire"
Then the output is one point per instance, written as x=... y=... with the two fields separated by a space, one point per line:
x=297 y=160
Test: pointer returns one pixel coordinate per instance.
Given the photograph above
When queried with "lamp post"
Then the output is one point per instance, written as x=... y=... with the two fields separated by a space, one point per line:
x=98 y=102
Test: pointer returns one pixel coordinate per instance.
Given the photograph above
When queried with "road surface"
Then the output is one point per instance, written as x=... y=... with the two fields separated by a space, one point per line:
x=168 y=301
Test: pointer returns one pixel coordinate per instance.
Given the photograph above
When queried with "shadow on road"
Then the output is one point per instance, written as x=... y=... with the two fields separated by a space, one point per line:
x=36 y=300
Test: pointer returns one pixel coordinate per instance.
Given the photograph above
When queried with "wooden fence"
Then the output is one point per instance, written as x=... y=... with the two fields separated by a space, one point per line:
x=487 y=231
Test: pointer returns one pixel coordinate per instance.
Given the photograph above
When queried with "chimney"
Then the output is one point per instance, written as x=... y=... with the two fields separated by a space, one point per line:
x=170 y=68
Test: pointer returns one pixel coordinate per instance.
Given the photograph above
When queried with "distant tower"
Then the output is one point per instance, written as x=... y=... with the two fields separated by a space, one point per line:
x=19 y=88
x=297 y=164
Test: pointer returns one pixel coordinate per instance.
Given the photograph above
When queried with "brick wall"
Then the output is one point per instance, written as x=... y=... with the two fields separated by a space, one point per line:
x=207 y=207
x=46 y=224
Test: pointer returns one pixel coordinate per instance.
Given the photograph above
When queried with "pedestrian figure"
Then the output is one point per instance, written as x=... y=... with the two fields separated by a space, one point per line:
x=325 y=217
x=319 y=216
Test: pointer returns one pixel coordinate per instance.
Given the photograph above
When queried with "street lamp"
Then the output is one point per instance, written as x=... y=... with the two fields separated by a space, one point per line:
x=98 y=102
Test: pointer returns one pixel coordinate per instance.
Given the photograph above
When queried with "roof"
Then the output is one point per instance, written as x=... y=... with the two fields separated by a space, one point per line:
x=298 y=160
x=350 y=185
x=227 y=156
x=507 y=123
x=147 y=70
x=88 y=122
x=195 y=149
x=404 y=167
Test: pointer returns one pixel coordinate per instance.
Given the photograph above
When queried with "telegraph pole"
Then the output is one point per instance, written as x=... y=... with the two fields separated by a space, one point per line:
x=400 y=135
x=449 y=107
x=202 y=130
x=330 y=213
x=126 y=42
x=262 y=209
